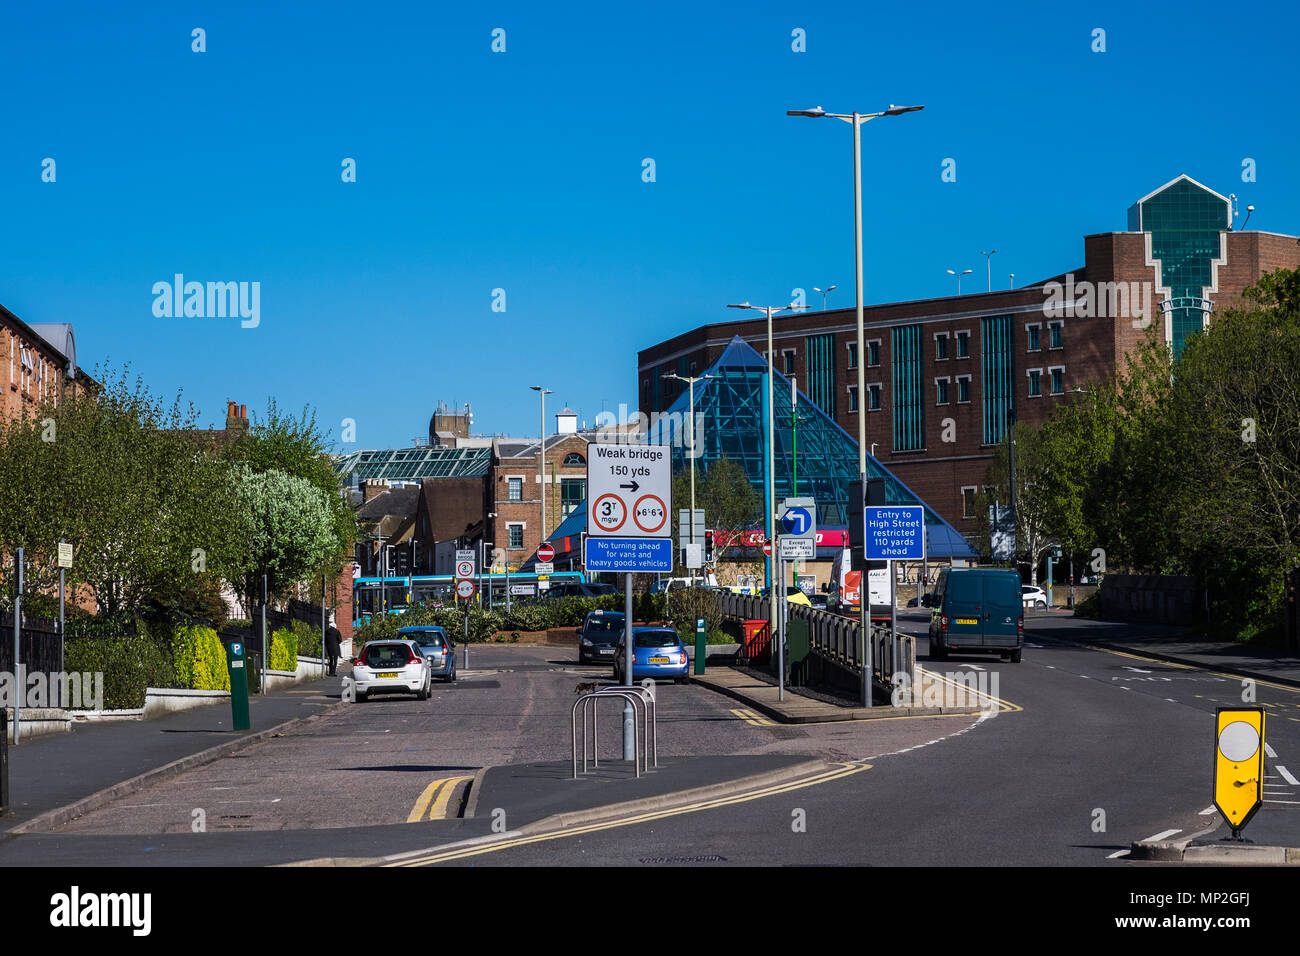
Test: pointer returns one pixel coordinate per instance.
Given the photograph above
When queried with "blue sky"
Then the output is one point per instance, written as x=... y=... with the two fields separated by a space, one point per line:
x=522 y=171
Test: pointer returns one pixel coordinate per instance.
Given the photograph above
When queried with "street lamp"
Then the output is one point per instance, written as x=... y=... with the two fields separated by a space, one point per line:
x=856 y=120
x=824 y=292
x=1011 y=281
x=690 y=416
x=964 y=272
x=769 y=311
x=988 y=262
x=541 y=456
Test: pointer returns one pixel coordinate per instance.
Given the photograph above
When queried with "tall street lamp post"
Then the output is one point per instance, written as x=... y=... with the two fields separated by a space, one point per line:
x=541 y=458
x=856 y=120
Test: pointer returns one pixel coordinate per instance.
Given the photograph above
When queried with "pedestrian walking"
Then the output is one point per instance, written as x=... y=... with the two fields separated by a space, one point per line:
x=332 y=647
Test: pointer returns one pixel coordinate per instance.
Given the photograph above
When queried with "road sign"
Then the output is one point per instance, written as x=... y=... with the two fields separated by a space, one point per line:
x=521 y=589
x=465 y=589
x=65 y=554
x=629 y=493
x=544 y=567
x=796 y=548
x=893 y=532
x=684 y=526
x=545 y=553
x=1238 y=764
x=693 y=555
x=628 y=487
x=767 y=548
x=464 y=569
x=629 y=554
x=465 y=554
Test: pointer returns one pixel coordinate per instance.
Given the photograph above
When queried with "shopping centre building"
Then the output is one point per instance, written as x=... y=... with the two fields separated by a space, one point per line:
x=945 y=377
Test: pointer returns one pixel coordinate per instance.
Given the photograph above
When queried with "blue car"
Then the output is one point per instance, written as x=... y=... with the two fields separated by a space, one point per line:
x=437 y=648
x=657 y=652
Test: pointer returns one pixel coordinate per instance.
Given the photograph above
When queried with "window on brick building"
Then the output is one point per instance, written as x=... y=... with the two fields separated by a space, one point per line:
x=941 y=391
x=515 y=534
x=853 y=355
x=873 y=353
x=1054 y=335
x=963 y=389
x=963 y=345
x=968 y=501
x=515 y=488
x=1058 y=380
x=853 y=398
x=1035 y=382
x=1033 y=334
x=941 y=347
x=874 y=392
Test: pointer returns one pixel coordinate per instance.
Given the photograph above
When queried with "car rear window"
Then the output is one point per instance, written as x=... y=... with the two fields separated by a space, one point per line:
x=657 y=639
x=602 y=626
x=429 y=640
x=387 y=655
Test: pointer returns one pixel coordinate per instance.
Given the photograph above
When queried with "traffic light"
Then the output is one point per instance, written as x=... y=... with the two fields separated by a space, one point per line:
x=708 y=547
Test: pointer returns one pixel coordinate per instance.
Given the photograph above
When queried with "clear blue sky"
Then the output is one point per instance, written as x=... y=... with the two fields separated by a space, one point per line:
x=522 y=171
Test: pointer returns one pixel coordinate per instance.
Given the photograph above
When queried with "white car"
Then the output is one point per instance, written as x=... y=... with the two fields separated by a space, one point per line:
x=1032 y=595
x=391 y=666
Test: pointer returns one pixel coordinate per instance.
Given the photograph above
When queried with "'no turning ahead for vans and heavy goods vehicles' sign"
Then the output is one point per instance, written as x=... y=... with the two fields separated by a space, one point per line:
x=629 y=492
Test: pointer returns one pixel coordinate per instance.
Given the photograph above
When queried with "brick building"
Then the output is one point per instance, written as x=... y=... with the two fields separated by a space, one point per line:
x=38 y=363
x=944 y=377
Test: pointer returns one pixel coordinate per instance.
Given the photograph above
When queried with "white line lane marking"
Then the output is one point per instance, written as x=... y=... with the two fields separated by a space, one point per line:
x=1270 y=751
x=1286 y=775
x=1292 y=802
x=1162 y=835
x=1206 y=812
x=1117 y=855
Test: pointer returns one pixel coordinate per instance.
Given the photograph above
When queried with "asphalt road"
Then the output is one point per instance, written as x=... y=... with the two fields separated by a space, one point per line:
x=1091 y=751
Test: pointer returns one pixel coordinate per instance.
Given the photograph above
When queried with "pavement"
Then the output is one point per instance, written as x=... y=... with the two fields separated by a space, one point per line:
x=54 y=771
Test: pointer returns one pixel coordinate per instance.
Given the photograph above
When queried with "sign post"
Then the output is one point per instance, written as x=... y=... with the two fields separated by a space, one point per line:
x=701 y=644
x=892 y=533
x=629 y=497
x=465 y=588
x=65 y=562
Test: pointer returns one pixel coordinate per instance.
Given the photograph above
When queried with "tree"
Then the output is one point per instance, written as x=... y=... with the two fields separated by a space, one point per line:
x=287 y=528
x=730 y=503
x=1033 y=493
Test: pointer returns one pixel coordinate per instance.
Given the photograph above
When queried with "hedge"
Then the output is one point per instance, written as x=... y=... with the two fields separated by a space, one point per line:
x=283 y=651
x=129 y=665
x=200 y=659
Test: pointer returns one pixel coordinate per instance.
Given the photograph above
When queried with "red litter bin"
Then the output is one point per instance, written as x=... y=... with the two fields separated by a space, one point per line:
x=758 y=641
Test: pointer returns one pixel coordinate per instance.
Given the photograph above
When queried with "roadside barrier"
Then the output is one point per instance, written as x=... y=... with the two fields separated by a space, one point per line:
x=645 y=736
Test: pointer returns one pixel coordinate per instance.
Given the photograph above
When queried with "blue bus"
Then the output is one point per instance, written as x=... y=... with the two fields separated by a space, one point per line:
x=396 y=595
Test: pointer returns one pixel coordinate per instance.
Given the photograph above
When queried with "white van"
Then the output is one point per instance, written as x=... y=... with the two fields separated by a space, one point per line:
x=843 y=593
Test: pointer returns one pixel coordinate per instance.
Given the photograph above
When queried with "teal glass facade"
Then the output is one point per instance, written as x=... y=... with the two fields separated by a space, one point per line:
x=820 y=357
x=734 y=426
x=909 y=388
x=998 y=388
x=1186 y=222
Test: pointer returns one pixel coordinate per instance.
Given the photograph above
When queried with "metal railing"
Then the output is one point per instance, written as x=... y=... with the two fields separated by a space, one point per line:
x=645 y=735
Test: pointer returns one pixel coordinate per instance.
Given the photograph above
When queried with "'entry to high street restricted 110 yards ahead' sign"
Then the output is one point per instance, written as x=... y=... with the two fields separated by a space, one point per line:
x=628 y=503
x=893 y=532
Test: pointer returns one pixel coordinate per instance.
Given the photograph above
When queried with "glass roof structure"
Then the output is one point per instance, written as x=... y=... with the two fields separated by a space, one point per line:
x=413 y=464
x=731 y=422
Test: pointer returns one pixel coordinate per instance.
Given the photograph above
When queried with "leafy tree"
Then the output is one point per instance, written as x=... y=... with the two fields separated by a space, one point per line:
x=1033 y=493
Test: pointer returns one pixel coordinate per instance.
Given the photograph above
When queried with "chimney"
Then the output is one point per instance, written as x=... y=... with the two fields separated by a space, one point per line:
x=236 y=417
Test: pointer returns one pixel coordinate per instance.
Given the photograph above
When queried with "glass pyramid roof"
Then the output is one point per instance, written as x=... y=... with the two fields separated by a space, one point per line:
x=733 y=425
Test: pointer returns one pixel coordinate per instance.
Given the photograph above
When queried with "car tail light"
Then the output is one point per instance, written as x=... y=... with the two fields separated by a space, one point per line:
x=681 y=658
x=413 y=658
x=1020 y=625
x=943 y=622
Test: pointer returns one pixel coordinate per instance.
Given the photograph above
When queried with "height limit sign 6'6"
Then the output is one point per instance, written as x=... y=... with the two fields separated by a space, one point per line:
x=628 y=503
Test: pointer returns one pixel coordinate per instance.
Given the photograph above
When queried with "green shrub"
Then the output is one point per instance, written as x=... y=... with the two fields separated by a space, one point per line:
x=527 y=617
x=199 y=659
x=283 y=650
x=129 y=665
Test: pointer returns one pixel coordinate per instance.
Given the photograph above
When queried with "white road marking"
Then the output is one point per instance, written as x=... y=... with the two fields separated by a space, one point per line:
x=1162 y=835
x=1292 y=802
x=1206 y=812
x=1137 y=670
x=1270 y=751
x=1286 y=774
x=1034 y=645
x=1171 y=700
x=1118 y=854
x=1050 y=666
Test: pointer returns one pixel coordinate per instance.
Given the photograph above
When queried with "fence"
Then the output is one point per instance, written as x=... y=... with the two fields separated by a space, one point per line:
x=834 y=637
x=40 y=646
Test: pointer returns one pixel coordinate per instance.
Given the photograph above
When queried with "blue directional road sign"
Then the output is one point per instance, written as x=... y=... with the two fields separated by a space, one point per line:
x=893 y=532
x=796 y=521
x=629 y=554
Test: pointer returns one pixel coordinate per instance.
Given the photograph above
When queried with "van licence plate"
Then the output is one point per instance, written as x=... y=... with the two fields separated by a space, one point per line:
x=965 y=620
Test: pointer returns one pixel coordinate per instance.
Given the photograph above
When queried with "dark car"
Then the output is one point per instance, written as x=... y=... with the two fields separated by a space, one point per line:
x=657 y=652
x=438 y=649
x=599 y=636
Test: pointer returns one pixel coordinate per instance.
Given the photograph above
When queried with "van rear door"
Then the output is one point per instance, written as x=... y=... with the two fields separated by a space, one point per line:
x=1002 y=609
x=963 y=602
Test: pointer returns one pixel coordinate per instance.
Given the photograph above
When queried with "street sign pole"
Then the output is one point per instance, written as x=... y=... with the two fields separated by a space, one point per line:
x=893 y=623
x=778 y=592
x=18 y=661
x=629 y=716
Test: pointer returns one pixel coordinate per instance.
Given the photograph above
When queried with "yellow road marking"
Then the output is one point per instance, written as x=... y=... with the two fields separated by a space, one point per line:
x=444 y=787
x=1004 y=706
x=749 y=717
x=841 y=770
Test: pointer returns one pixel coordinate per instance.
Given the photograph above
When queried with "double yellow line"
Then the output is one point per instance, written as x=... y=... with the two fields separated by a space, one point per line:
x=749 y=717
x=833 y=772
x=442 y=788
